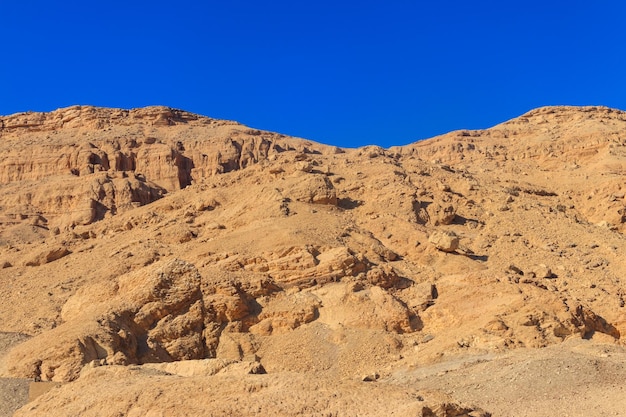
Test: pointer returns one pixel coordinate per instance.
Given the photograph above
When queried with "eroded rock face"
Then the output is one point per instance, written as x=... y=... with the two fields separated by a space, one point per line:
x=306 y=266
x=384 y=311
x=168 y=312
x=302 y=259
x=74 y=201
x=133 y=157
x=152 y=316
x=288 y=313
x=587 y=323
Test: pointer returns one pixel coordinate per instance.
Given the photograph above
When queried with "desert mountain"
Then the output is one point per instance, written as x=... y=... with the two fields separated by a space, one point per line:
x=158 y=262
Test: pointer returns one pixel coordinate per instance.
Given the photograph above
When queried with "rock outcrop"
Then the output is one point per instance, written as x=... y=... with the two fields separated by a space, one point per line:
x=151 y=316
x=150 y=253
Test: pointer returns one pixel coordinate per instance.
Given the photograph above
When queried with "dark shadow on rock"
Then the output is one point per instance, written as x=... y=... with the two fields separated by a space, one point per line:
x=589 y=322
x=403 y=283
x=185 y=165
x=348 y=203
x=464 y=221
x=472 y=256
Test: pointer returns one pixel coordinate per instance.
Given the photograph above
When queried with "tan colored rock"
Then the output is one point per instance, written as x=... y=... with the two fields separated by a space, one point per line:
x=48 y=256
x=307 y=266
x=152 y=316
x=444 y=241
x=441 y=215
x=542 y=271
x=319 y=295
x=371 y=308
x=286 y=313
x=191 y=368
x=384 y=252
x=312 y=188
x=589 y=322
x=383 y=276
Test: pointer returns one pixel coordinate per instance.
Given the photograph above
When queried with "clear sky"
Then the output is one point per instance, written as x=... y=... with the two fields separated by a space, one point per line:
x=348 y=73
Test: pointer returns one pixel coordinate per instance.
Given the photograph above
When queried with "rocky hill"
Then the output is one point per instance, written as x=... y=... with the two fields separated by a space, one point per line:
x=151 y=255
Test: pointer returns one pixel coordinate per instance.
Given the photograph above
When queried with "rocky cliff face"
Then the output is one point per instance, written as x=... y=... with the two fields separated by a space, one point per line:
x=128 y=157
x=139 y=244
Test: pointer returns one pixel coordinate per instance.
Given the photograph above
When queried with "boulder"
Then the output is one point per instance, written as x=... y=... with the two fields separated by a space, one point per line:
x=445 y=241
x=441 y=214
x=312 y=188
x=385 y=276
x=48 y=256
x=372 y=308
x=542 y=271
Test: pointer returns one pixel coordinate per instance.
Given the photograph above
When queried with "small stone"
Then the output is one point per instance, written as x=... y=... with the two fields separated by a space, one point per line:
x=214 y=226
x=542 y=271
x=514 y=269
x=371 y=377
x=443 y=187
x=303 y=166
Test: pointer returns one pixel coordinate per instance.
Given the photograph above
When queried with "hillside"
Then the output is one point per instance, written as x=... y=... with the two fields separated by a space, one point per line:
x=151 y=255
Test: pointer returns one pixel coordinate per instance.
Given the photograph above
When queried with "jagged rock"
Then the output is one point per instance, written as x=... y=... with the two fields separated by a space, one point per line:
x=384 y=276
x=370 y=377
x=207 y=367
x=189 y=368
x=321 y=291
x=206 y=205
x=441 y=215
x=340 y=260
x=514 y=269
x=236 y=346
x=371 y=308
x=384 y=252
x=305 y=266
x=154 y=315
x=445 y=241
x=140 y=168
x=304 y=166
x=587 y=322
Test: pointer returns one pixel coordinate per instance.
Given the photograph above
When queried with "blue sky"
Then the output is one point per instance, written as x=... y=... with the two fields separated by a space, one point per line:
x=345 y=73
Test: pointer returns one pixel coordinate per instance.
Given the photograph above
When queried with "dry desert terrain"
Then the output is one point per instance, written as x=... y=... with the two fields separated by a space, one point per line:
x=155 y=262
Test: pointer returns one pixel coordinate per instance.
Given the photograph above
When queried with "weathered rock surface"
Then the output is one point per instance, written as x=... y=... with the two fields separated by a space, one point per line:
x=444 y=241
x=152 y=253
x=151 y=316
